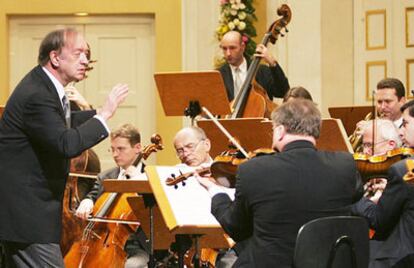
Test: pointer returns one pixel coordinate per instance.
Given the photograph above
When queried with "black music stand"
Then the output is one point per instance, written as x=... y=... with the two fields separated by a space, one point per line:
x=185 y=93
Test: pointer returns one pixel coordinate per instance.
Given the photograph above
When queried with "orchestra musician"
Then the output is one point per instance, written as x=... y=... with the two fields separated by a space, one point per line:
x=390 y=96
x=391 y=214
x=276 y=194
x=125 y=148
x=297 y=92
x=38 y=136
x=192 y=147
x=234 y=71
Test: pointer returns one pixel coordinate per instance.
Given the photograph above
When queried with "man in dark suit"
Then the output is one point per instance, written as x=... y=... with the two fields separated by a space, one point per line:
x=271 y=77
x=125 y=148
x=276 y=194
x=391 y=214
x=36 y=143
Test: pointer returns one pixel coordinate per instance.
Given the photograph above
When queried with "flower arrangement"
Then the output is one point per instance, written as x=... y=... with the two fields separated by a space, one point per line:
x=238 y=15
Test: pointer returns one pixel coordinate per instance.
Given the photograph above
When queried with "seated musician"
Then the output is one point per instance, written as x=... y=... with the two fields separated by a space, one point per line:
x=125 y=148
x=276 y=194
x=297 y=92
x=192 y=147
x=386 y=139
x=391 y=214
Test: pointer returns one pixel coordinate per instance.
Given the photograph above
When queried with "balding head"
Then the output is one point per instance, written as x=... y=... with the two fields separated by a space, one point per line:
x=233 y=47
x=192 y=146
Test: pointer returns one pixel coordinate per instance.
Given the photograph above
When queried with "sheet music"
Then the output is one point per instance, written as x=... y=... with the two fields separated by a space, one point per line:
x=191 y=204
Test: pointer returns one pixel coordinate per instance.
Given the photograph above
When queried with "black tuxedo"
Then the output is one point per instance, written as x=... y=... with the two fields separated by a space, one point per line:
x=272 y=79
x=35 y=148
x=392 y=219
x=277 y=194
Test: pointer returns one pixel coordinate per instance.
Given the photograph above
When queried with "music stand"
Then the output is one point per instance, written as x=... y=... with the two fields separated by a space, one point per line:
x=141 y=187
x=350 y=115
x=241 y=129
x=333 y=137
x=185 y=93
x=186 y=210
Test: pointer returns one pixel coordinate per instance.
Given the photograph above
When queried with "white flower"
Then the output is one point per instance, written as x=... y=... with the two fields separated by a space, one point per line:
x=234 y=6
x=236 y=22
x=242 y=15
x=242 y=6
x=241 y=26
x=231 y=25
x=237 y=1
x=232 y=1
x=233 y=12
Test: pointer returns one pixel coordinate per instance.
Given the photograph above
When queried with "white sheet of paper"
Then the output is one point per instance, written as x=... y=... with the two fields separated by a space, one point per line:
x=191 y=203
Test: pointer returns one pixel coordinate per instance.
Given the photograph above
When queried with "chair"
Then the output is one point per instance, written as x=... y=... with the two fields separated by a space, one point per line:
x=339 y=242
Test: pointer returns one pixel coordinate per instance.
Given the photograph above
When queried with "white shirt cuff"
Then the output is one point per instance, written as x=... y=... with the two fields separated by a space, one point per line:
x=100 y=118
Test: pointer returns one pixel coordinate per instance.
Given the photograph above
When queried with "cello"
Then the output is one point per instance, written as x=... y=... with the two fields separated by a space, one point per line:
x=252 y=100
x=103 y=239
x=83 y=168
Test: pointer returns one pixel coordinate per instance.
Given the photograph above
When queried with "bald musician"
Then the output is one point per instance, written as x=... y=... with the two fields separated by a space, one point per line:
x=234 y=71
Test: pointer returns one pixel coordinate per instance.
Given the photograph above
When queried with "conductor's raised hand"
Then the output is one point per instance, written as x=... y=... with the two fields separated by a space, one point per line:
x=117 y=95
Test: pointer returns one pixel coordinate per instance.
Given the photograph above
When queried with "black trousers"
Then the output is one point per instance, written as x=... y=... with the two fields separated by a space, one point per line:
x=23 y=255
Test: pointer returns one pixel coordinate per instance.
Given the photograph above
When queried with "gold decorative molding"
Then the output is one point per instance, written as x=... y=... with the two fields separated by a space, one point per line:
x=409 y=40
x=368 y=44
x=369 y=65
x=409 y=68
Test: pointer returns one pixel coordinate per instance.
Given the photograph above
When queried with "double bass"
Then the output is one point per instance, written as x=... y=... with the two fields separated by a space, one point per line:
x=103 y=239
x=252 y=100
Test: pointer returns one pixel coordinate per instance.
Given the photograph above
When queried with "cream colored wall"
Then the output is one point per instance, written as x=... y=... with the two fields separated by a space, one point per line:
x=317 y=53
x=168 y=42
x=337 y=59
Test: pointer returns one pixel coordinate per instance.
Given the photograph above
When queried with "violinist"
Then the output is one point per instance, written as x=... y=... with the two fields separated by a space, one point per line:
x=276 y=194
x=125 y=148
x=38 y=136
x=193 y=147
x=234 y=71
x=392 y=216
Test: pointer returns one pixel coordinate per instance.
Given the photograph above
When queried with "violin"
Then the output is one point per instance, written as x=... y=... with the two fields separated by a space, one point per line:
x=224 y=166
x=252 y=100
x=377 y=166
x=104 y=237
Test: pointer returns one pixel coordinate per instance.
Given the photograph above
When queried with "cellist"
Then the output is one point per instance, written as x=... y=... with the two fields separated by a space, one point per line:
x=125 y=148
x=234 y=71
x=392 y=216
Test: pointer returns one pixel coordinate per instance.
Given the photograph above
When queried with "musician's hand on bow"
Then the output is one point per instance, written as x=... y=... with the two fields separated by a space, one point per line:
x=85 y=209
x=263 y=52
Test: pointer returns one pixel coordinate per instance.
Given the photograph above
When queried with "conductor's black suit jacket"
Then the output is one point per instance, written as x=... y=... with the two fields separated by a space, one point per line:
x=272 y=79
x=35 y=148
x=277 y=194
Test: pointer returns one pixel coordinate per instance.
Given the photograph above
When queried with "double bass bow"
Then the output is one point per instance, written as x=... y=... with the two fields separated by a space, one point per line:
x=252 y=100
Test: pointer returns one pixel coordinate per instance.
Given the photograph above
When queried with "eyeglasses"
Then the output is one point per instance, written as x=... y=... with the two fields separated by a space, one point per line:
x=190 y=147
x=117 y=149
x=368 y=145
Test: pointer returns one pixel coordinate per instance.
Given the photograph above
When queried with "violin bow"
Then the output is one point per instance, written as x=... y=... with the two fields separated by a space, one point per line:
x=225 y=132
